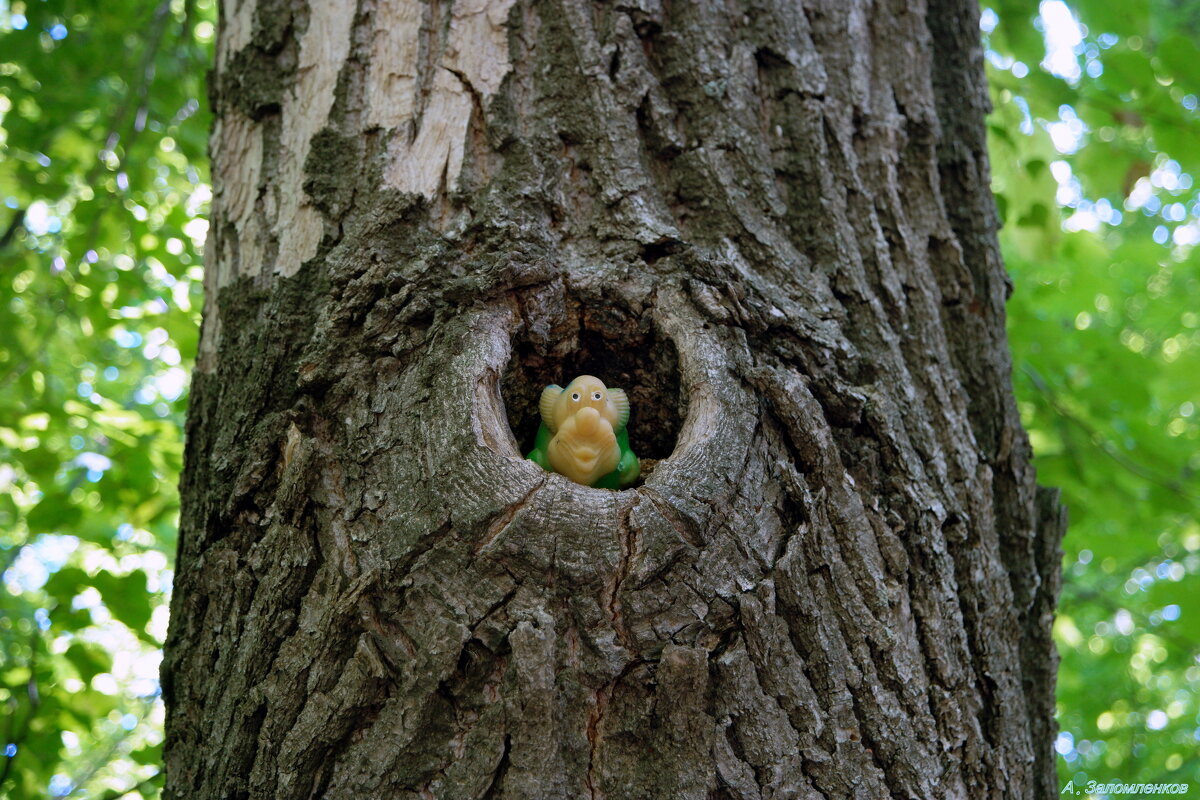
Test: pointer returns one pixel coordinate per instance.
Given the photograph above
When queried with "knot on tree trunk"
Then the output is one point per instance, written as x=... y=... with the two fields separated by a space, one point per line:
x=691 y=417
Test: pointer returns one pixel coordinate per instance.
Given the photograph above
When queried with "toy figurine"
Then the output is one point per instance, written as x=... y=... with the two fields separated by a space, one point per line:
x=583 y=436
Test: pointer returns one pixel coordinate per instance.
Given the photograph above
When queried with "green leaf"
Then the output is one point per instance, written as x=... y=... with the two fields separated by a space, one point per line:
x=1035 y=217
x=1181 y=60
x=52 y=515
x=126 y=597
x=88 y=660
x=1128 y=71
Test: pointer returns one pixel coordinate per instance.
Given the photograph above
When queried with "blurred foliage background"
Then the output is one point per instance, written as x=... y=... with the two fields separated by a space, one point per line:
x=103 y=196
x=1095 y=144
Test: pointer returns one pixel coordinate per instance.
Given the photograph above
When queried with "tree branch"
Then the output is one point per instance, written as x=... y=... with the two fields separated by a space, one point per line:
x=137 y=787
x=34 y=701
x=13 y=226
x=1102 y=442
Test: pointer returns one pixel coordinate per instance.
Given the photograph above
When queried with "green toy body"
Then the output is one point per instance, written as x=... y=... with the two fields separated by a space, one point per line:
x=625 y=474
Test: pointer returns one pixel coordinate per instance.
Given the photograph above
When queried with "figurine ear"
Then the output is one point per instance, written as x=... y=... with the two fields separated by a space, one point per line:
x=546 y=406
x=620 y=401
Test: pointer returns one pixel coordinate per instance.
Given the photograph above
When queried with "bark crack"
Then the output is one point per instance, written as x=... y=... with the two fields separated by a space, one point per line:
x=600 y=698
x=501 y=523
x=627 y=538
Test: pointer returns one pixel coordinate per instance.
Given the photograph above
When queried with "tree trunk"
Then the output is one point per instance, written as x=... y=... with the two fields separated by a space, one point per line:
x=769 y=222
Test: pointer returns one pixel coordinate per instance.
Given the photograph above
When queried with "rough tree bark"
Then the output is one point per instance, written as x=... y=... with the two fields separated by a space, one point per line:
x=770 y=222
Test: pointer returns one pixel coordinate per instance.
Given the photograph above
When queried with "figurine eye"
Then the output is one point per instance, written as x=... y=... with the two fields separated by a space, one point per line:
x=575 y=396
x=595 y=395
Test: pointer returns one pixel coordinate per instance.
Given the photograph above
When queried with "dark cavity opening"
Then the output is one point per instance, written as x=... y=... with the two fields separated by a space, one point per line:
x=620 y=346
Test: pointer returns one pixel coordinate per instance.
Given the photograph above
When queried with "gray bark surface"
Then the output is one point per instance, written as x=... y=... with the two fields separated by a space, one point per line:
x=770 y=222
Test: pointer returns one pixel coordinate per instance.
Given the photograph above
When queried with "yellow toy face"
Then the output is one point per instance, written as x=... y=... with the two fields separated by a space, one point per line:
x=584 y=392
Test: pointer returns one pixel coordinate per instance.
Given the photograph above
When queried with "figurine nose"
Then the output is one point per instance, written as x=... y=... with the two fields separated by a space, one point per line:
x=586 y=419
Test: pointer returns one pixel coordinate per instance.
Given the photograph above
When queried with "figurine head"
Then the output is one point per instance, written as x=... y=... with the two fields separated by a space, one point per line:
x=586 y=391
